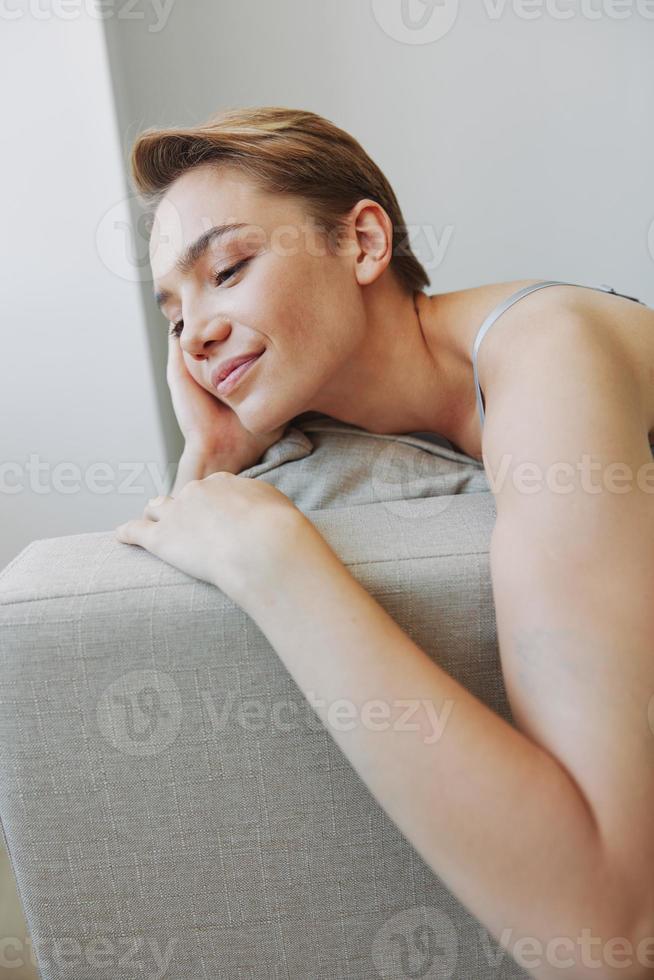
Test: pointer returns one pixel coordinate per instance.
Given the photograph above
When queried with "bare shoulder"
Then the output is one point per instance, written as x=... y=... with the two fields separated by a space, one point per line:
x=570 y=378
x=613 y=314
x=465 y=310
x=567 y=318
x=613 y=323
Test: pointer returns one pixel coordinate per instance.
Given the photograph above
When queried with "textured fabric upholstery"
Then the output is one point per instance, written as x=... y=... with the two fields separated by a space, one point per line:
x=172 y=805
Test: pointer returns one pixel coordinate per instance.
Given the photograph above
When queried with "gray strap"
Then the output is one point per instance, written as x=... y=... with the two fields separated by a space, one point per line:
x=509 y=301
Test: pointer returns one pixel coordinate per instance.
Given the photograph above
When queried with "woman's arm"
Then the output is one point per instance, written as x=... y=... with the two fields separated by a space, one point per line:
x=496 y=817
x=198 y=463
x=543 y=831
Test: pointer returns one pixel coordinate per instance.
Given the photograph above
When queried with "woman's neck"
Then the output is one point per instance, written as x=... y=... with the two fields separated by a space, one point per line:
x=408 y=375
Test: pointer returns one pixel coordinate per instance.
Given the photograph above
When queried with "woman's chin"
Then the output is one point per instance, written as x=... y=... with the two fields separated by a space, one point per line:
x=255 y=421
x=262 y=421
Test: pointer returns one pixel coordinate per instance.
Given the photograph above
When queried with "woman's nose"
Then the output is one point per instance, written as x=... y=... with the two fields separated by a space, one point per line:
x=197 y=349
x=198 y=339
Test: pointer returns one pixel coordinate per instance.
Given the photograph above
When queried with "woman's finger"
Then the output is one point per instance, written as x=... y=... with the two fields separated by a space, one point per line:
x=136 y=532
x=176 y=364
x=155 y=507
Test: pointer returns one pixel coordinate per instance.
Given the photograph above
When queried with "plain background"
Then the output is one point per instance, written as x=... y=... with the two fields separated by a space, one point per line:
x=517 y=137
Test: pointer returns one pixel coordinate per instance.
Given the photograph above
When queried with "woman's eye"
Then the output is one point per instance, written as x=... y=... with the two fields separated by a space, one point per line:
x=220 y=277
x=217 y=278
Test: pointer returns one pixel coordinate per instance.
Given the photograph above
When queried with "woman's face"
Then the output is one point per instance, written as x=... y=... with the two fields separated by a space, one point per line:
x=279 y=290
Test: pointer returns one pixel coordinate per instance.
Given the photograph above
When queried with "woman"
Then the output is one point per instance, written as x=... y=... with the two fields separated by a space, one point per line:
x=278 y=242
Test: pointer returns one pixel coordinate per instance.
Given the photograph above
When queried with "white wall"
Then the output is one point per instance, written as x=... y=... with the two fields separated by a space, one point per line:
x=517 y=148
x=524 y=145
x=76 y=382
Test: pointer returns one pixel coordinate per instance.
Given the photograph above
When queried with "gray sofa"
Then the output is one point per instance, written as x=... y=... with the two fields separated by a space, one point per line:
x=171 y=803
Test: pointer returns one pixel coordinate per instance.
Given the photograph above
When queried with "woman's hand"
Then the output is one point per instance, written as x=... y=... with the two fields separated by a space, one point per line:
x=211 y=428
x=234 y=532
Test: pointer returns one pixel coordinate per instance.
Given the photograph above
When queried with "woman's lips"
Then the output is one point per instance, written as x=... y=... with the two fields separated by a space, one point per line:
x=235 y=376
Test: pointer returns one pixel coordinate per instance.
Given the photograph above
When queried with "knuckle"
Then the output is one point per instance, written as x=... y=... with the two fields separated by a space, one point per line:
x=188 y=487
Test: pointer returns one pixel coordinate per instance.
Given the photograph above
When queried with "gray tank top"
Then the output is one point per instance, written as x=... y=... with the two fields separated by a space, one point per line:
x=509 y=301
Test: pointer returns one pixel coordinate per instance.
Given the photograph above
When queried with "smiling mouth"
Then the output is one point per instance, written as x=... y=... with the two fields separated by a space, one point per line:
x=234 y=376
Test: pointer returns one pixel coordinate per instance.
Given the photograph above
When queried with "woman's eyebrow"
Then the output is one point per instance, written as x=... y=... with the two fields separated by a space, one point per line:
x=194 y=252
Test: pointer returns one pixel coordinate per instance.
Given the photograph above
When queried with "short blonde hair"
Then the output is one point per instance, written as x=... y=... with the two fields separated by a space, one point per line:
x=281 y=150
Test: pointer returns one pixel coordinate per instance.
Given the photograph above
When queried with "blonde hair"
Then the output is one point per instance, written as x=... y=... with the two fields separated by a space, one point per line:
x=281 y=150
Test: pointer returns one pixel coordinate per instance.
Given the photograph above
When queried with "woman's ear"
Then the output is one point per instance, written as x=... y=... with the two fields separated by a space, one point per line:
x=372 y=241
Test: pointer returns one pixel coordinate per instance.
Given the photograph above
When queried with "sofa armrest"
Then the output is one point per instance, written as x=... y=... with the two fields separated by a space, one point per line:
x=172 y=804
x=170 y=797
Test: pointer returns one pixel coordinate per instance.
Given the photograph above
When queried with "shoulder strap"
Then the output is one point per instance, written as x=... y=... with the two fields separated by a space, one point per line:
x=509 y=301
